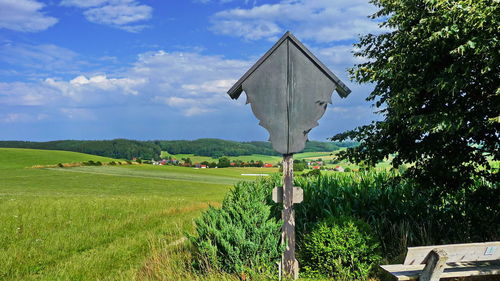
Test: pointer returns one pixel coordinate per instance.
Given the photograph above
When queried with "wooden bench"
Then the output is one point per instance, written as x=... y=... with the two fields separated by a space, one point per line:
x=430 y=263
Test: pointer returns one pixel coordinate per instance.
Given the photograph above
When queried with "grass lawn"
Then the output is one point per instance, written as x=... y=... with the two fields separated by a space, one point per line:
x=100 y=223
x=103 y=222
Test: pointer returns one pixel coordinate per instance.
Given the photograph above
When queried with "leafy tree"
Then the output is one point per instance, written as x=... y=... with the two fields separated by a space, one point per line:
x=437 y=75
x=224 y=162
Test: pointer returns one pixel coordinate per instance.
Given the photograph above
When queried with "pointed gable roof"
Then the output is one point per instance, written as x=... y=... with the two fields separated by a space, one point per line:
x=342 y=89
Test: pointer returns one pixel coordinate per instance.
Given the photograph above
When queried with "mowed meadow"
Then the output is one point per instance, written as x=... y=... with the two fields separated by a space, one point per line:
x=123 y=222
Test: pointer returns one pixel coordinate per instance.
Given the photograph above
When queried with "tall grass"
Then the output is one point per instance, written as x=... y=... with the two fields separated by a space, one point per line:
x=400 y=212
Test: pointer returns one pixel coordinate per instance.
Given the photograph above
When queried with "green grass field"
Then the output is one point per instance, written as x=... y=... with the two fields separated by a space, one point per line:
x=101 y=223
x=123 y=222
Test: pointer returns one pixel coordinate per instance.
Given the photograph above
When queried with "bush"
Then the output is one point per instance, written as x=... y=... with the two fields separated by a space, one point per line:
x=344 y=248
x=60 y=165
x=299 y=166
x=240 y=237
x=112 y=163
x=312 y=173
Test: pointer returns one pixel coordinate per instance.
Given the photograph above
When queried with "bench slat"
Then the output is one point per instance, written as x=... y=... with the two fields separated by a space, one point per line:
x=456 y=269
x=455 y=252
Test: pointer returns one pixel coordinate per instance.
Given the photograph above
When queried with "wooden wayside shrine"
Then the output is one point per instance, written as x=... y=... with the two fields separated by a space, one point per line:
x=288 y=89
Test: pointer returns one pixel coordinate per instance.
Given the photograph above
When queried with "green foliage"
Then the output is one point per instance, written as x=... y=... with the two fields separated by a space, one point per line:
x=312 y=173
x=437 y=86
x=344 y=248
x=299 y=166
x=128 y=149
x=217 y=148
x=224 y=162
x=241 y=236
x=92 y=163
x=400 y=213
x=117 y=148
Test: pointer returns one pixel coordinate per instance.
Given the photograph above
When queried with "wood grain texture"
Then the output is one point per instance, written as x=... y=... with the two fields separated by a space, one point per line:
x=289 y=263
x=460 y=269
x=456 y=252
x=288 y=90
x=435 y=263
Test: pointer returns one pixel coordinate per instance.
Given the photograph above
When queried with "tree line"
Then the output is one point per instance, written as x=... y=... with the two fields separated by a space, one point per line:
x=128 y=149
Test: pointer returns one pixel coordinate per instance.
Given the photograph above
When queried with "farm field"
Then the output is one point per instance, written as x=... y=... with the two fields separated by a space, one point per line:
x=199 y=159
x=98 y=223
x=255 y=157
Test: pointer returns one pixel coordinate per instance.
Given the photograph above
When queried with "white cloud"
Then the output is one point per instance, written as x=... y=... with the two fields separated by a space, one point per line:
x=339 y=55
x=83 y=3
x=214 y=86
x=190 y=106
x=24 y=15
x=26 y=93
x=318 y=20
x=96 y=89
x=123 y=14
x=188 y=83
x=47 y=57
x=21 y=117
x=220 y=1
x=78 y=113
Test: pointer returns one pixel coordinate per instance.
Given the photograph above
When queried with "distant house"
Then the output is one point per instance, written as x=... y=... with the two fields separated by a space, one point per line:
x=232 y=164
x=316 y=167
x=339 y=169
x=267 y=165
x=203 y=166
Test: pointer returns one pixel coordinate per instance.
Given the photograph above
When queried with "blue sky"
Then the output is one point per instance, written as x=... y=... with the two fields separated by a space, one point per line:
x=160 y=69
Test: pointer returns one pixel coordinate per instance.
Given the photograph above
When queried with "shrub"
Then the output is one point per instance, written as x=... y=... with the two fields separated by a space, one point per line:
x=112 y=163
x=98 y=163
x=312 y=173
x=60 y=165
x=344 y=248
x=240 y=237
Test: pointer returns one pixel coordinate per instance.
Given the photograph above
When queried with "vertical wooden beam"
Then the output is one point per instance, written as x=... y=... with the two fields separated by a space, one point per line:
x=289 y=263
x=435 y=263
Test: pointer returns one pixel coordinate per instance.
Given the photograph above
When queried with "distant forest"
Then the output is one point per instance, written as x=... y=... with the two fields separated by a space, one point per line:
x=128 y=149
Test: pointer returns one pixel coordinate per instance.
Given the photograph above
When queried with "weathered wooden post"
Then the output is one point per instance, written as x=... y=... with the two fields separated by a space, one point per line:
x=288 y=90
